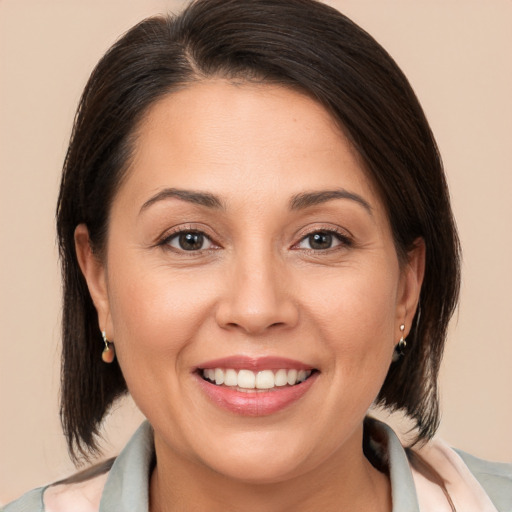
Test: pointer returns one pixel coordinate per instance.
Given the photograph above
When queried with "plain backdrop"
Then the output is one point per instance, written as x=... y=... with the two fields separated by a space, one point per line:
x=457 y=56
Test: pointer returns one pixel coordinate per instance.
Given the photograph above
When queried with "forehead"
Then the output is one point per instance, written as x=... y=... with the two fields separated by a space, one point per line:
x=245 y=139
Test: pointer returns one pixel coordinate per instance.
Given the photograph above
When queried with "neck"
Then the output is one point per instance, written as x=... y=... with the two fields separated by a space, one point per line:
x=347 y=481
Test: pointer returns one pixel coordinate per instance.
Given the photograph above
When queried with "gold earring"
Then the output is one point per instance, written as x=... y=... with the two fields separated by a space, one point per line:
x=401 y=345
x=109 y=352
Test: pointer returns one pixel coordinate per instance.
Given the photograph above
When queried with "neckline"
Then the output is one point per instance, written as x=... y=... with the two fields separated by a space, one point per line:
x=127 y=485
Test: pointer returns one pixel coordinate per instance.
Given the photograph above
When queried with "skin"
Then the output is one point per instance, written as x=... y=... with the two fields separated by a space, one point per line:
x=257 y=289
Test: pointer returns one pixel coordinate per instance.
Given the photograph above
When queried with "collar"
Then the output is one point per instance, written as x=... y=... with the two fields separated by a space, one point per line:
x=127 y=485
x=415 y=479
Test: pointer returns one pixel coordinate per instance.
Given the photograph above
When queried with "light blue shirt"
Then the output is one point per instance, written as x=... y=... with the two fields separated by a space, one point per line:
x=126 y=488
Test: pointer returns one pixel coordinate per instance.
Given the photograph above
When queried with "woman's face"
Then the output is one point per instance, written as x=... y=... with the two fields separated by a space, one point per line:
x=247 y=247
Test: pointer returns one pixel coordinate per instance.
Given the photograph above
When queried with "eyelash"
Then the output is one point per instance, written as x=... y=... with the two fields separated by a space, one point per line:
x=166 y=241
x=343 y=239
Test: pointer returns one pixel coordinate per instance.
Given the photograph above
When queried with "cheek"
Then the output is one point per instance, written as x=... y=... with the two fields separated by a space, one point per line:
x=156 y=315
x=354 y=313
x=156 y=311
x=354 y=302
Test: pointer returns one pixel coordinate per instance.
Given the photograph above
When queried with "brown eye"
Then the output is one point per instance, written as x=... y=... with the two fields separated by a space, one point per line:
x=189 y=241
x=322 y=240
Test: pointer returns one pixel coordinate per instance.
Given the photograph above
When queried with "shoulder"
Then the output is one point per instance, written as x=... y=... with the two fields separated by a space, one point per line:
x=494 y=477
x=79 y=493
x=117 y=484
x=81 y=496
x=466 y=478
x=31 y=501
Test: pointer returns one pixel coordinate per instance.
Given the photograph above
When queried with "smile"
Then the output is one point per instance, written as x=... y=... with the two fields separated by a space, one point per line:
x=252 y=381
x=255 y=386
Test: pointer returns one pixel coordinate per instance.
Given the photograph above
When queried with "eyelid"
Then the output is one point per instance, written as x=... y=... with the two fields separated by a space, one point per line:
x=176 y=237
x=166 y=236
x=342 y=235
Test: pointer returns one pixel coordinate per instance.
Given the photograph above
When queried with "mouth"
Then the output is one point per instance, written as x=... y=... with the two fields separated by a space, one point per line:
x=250 y=381
x=255 y=387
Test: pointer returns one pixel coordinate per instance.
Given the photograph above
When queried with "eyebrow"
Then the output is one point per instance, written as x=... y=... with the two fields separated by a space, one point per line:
x=298 y=201
x=190 y=196
x=308 y=199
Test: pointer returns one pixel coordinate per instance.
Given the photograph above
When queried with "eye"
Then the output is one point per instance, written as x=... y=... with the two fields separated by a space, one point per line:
x=189 y=241
x=322 y=240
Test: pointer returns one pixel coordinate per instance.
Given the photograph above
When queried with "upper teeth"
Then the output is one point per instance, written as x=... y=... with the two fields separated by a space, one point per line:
x=247 y=379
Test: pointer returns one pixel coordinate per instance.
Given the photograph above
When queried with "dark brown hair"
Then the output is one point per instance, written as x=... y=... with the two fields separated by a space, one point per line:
x=302 y=44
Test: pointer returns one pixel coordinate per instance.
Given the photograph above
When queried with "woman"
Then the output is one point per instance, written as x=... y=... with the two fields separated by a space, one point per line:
x=255 y=232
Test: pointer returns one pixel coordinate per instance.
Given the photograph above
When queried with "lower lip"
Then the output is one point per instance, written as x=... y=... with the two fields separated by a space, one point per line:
x=257 y=403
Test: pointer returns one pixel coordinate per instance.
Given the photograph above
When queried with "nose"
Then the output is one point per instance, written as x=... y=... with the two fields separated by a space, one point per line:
x=258 y=297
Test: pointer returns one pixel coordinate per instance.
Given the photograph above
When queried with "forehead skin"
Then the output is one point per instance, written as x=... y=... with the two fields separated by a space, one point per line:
x=165 y=130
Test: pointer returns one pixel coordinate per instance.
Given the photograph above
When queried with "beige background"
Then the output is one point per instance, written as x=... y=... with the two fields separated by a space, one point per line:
x=457 y=56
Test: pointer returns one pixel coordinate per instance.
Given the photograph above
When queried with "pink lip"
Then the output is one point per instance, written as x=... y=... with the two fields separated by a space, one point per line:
x=259 y=403
x=255 y=363
x=254 y=403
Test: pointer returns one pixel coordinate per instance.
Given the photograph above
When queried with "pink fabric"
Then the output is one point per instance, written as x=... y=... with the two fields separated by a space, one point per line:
x=465 y=491
x=79 y=497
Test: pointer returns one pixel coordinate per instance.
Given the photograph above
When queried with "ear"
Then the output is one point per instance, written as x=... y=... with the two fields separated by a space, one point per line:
x=95 y=275
x=410 y=284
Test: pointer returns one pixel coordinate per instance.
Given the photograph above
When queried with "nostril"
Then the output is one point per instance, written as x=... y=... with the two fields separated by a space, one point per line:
x=254 y=313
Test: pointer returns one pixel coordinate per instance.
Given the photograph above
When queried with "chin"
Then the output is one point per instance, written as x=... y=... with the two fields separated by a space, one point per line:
x=263 y=458
x=258 y=472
